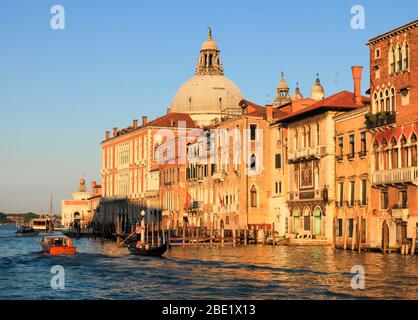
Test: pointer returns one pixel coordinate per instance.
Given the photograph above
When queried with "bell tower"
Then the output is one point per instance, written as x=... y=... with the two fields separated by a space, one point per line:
x=209 y=62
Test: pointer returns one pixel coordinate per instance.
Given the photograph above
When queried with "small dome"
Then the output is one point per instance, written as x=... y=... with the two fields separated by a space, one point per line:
x=318 y=92
x=209 y=45
x=298 y=95
x=82 y=181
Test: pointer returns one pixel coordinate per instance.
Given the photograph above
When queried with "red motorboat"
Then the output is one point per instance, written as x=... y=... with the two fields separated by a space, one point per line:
x=58 y=245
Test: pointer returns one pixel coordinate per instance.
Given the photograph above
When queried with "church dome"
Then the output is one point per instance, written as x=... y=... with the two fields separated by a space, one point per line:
x=209 y=92
x=206 y=94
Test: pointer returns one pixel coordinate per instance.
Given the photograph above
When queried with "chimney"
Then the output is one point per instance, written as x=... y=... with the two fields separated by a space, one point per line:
x=357 y=71
x=135 y=122
x=115 y=132
x=144 y=120
x=269 y=113
x=107 y=135
x=168 y=110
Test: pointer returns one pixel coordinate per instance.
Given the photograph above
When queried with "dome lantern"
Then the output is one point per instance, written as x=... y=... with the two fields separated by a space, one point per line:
x=209 y=61
x=207 y=95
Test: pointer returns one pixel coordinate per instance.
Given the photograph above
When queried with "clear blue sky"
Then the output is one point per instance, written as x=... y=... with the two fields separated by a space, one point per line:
x=60 y=90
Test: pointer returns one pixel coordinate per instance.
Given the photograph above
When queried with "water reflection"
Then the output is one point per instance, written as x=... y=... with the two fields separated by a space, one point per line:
x=254 y=272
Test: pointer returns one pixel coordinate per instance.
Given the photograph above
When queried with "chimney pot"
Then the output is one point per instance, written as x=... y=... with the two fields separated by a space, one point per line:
x=115 y=132
x=144 y=120
x=135 y=122
x=107 y=135
x=357 y=73
x=168 y=110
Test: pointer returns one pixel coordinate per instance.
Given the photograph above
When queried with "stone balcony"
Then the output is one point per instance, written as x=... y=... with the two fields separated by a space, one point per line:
x=314 y=152
x=219 y=176
x=396 y=176
x=400 y=212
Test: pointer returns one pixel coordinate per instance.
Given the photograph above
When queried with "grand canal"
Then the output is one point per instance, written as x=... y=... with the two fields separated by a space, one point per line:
x=253 y=272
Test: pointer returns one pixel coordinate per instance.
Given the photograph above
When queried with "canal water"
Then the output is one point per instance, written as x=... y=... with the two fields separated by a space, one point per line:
x=253 y=272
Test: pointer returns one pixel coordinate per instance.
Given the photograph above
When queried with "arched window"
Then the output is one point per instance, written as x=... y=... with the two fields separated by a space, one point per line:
x=387 y=99
x=227 y=220
x=376 y=155
x=382 y=103
x=375 y=103
x=406 y=55
x=304 y=138
x=392 y=60
x=404 y=153
x=414 y=150
x=253 y=197
x=400 y=62
x=317 y=226
x=385 y=154
x=395 y=153
x=393 y=97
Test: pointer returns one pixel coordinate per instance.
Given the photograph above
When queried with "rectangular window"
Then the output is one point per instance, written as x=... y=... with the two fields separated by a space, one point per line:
x=253 y=132
x=352 y=147
x=377 y=54
x=352 y=193
x=404 y=199
x=278 y=161
x=350 y=228
x=364 y=192
x=340 y=155
x=341 y=194
x=212 y=169
x=363 y=150
x=276 y=187
x=280 y=187
x=384 y=201
x=340 y=228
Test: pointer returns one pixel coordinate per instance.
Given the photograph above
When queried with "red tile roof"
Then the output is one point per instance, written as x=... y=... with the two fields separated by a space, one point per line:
x=343 y=100
x=172 y=120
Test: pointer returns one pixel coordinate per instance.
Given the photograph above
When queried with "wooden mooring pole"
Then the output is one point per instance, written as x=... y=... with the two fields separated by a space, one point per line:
x=414 y=241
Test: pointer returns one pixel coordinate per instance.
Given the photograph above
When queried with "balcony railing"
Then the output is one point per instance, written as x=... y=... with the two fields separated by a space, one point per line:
x=362 y=154
x=380 y=119
x=314 y=152
x=351 y=156
x=395 y=176
x=400 y=212
x=195 y=205
x=218 y=176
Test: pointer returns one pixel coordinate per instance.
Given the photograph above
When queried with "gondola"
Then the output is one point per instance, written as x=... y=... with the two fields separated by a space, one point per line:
x=148 y=252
